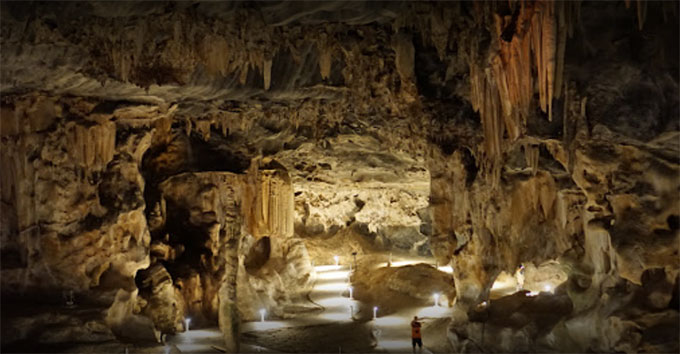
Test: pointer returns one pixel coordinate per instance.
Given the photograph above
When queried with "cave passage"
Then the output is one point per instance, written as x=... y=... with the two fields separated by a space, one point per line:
x=310 y=177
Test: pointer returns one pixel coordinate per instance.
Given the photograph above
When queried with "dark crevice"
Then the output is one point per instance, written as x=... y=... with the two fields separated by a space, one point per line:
x=471 y=168
x=673 y=222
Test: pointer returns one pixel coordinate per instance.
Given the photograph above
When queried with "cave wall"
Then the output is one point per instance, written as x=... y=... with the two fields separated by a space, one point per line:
x=578 y=182
x=69 y=184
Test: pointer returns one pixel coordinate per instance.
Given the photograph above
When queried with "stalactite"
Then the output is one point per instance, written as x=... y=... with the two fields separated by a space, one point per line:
x=325 y=64
x=88 y=146
x=531 y=154
x=538 y=61
x=548 y=47
x=203 y=128
x=216 y=54
x=402 y=44
x=267 y=73
x=641 y=13
x=243 y=76
x=187 y=127
x=562 y=29
x=223 y=124
x=669 y=7
x=92 y=147
x=244 y=124
x=541 y=31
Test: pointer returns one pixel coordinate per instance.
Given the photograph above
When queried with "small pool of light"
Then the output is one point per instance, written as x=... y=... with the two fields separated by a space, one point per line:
x=446 y=269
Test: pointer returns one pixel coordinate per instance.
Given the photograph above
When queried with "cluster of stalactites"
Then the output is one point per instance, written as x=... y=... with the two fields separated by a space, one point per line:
x=230 y=48
x=92 y=146
x=502 y=87
x=667 y=7
x=224 y=121
x=268 y=203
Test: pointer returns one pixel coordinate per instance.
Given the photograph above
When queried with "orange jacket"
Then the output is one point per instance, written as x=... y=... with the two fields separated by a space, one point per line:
x=415 y=329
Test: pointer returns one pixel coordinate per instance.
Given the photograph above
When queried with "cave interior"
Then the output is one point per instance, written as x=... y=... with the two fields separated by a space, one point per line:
x=301 y=176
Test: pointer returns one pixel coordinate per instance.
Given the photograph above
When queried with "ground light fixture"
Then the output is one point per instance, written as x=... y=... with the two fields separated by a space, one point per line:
x=187 y=322
x=375 y=312
x=547 y=288
x=337 y=259
x=436 y=299
x=262 y=313
x=351 y=292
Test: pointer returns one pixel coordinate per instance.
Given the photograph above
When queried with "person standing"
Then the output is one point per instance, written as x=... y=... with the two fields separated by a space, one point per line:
x=416 y=336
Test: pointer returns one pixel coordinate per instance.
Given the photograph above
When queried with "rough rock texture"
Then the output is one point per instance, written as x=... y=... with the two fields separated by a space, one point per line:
x=149 y=150
x=352 y=183
x=279 y=284
x=394 y=289
x=585 y=191
x=275 y=266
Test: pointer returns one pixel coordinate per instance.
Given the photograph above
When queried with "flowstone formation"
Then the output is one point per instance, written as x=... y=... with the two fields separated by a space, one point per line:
x=193 y=160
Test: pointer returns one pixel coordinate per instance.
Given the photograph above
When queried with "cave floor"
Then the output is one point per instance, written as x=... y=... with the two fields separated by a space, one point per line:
x=341 y=326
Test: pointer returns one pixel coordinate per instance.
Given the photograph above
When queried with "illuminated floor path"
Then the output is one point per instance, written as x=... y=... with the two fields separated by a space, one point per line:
x=331 y=292
x=197 y=341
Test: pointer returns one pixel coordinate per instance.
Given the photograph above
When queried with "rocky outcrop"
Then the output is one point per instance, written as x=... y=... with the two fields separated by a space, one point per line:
x=276 y=270
x=581 y=192
x=352 y=183
x=61 y=225
x=73 y=217
x=202 y=223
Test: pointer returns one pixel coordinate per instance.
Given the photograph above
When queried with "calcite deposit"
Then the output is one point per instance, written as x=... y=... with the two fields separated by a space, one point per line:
x=167 y=165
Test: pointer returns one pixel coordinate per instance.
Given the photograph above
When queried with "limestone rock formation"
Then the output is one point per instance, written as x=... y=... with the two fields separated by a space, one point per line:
x=165 y=161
